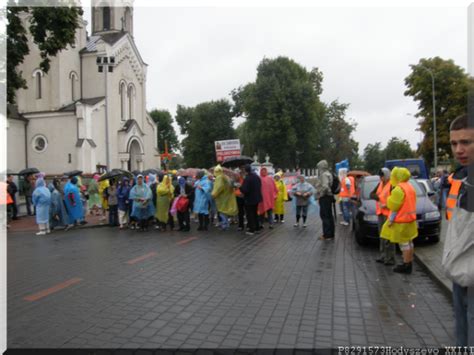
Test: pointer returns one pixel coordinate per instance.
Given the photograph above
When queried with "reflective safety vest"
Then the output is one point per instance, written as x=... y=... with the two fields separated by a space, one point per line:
x=383 y=192
x=407 y=213
x=347 y=193
x=452 y=196
x=5 y=198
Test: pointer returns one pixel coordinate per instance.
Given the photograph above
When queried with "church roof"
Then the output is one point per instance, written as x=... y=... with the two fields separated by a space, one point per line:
x=109 y=38
x=128 y=125
x=72 y=107
x=12 y=113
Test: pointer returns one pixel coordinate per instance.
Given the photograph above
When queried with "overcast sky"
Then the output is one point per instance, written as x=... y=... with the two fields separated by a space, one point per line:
x=201 y=54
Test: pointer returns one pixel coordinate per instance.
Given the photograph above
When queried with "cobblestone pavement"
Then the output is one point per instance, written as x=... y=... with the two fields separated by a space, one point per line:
x=283 y=288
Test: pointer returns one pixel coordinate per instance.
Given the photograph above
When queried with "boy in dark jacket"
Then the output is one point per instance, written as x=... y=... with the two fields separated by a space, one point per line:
x=252 y=191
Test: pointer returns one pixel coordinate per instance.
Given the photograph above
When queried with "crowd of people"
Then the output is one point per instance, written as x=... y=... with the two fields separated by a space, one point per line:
x=251 y=201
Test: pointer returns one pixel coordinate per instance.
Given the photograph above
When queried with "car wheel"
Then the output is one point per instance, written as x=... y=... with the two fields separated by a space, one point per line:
x=359 y=237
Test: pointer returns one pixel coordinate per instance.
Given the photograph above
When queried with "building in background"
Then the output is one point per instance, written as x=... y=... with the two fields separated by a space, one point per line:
x=61 y=120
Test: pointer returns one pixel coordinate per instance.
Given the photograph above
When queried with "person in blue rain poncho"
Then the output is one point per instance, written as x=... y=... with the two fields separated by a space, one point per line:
x=41 y=199
x=72 y=199
x=303 y=193
x=202 y=198
x=57 y=212
x=142 y=208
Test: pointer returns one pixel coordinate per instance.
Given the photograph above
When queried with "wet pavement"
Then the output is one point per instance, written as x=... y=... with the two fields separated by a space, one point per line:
x=284 y=288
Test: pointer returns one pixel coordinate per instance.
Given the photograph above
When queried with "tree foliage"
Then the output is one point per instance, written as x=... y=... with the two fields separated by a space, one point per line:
x=451 y=91
x=166 y=130
x=203 y=125
x=52 y=30
x=398 y=148
x=283 y=113
x=336 y=142
x=374 y=157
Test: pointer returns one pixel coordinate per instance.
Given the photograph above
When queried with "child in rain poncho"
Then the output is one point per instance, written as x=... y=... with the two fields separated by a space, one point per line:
x=42 y=201
x=164 y=193
x=304 y=198
x=282 y=196
x=202 y=199
x=57 y=212
x=142 y=209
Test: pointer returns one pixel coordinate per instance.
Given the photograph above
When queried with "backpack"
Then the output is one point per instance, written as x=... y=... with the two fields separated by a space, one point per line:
x=335 y=185
x=183 y=204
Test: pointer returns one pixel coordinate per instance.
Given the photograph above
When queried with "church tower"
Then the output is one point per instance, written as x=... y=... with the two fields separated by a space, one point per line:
x=111 y=16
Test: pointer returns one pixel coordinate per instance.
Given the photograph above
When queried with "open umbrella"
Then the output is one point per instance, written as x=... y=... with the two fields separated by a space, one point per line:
x=228 y=172
x=151 y=171
x=29 y=171
x=188 y=172
x=73 y=173
x=122 y=172
x=112 y=175
x=235 y=162
x=136 y=172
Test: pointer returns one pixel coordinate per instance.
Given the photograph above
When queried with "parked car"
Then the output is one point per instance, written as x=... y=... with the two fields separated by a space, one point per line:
x=427 y=185
x=428 y=217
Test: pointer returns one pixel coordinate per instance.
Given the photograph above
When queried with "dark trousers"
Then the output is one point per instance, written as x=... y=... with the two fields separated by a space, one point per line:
x=325 y=212
x=29 y=202
x=252 y=218
x=203 y=221
x=241 y=206
x=113 y=215
x=14 y=209
x=184 y=221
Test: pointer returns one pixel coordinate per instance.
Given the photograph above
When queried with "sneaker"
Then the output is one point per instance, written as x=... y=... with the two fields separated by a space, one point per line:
x=48 y=231
x=282 y=221
x=296 y=225
x=249 y=233
x=41 y=233
x=344 y=223
x=403 y=268
x=132 y=227
x=304 y=225
x=68 y=227
x=380 y=260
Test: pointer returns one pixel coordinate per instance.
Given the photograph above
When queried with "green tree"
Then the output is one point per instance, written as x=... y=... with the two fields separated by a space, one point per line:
x=398 y=148
x=166 y=130
x=451 y=91
x=374 y=157
x=203 y=125
x=52 y=30
x=283 y=113
x=336 y=142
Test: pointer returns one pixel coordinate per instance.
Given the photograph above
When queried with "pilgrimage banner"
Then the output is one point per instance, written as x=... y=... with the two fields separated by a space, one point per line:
x=227 y=148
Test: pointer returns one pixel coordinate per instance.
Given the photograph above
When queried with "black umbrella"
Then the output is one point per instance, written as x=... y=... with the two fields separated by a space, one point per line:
x=151 y=171
x=235 y=162
x=29 y=171
x=70 y=174
x=136 y=172
x=123 y=173
x=110 y=175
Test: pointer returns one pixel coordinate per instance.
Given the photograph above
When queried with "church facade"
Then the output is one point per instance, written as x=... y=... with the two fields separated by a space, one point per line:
x=89 y=111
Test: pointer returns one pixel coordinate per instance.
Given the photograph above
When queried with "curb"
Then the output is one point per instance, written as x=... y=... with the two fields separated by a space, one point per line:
x=434 y=276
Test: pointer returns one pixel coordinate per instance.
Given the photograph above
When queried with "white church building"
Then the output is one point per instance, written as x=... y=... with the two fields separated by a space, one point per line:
x=89 y=110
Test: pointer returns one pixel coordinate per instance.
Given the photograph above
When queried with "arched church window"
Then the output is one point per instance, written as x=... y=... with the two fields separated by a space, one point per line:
x=74 y=78
x=131 y=102
x=123 y=100
x=37 y=75
x=106 y=18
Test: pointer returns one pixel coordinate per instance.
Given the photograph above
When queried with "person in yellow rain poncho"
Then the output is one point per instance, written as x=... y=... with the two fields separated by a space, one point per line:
x=164 y=196
x=282 y=196
x=223 y=195
x=103 y=185
x=401 y=227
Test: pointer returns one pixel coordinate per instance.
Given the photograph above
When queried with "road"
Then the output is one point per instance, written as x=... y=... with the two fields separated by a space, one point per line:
x=283 y=288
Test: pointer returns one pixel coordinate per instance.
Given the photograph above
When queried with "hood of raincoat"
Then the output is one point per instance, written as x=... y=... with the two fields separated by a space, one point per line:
x=181 y=181
x=322 y=165
x=40 y=183
x=151 y=179
x=218 y=170
x=385 y=172
x=403 y=175
x=263 y=172
x=342 y=173
x=165 y=186
x=393 y=176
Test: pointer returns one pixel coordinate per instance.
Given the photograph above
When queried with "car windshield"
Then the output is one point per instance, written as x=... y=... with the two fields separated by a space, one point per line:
x=370 y=185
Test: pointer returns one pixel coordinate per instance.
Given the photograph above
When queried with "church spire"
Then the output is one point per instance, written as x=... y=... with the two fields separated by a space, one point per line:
x=109 y=16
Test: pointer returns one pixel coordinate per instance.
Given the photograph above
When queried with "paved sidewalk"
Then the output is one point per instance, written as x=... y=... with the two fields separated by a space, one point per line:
x=28 y=224
x=429 y=256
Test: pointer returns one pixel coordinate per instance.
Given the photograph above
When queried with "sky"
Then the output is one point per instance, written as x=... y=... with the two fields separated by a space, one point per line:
x=198 y=54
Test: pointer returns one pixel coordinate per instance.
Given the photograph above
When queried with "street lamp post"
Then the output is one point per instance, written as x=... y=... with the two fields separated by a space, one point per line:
x=106 y=64
x=435 y=145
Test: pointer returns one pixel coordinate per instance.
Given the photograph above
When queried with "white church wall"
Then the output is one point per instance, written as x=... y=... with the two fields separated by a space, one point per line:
x=16 y=159
x=98 y=134
x=60 y=133
x=93 y=81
